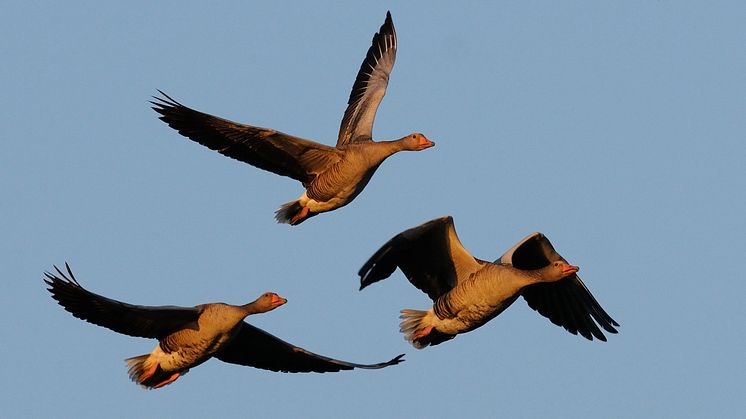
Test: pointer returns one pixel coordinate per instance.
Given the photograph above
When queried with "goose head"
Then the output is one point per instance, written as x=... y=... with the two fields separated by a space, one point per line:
x=268 y=301
x=416 y=142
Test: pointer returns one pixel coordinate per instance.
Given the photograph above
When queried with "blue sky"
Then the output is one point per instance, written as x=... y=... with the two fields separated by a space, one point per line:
x=616 y=128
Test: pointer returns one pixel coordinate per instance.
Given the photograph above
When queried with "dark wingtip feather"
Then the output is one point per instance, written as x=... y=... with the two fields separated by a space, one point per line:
x=60 y=279
x=365 y=270
x=66 y=290
x=168 y=99
x=375 y=268
x=162 y=105
x=397 y=360
x=63 y=287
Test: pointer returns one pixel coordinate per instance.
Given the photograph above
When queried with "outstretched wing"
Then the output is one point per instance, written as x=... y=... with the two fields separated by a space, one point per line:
x=264 y=148
x=129 y=319
x=430 y=255
x=256 y=348
x=370 y=86
x=568 y=302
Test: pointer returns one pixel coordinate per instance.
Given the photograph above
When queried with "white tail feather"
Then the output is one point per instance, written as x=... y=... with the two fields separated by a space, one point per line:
x=287 y=211
x=146 y=370
x=138 y=365
x=413 y=325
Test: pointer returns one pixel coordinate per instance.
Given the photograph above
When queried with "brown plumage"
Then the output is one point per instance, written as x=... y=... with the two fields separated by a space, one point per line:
x=468 y=292
x=332 y=176
x=189 y=336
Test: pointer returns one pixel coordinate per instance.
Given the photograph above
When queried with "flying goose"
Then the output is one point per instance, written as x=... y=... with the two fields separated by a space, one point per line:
x=332 y=176
x=468 y=292
x=189 y=336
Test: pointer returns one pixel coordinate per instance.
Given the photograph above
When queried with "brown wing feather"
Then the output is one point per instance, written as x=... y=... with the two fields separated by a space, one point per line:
x=256 y=348
x=430 y=255
x=264 y=148
x=567 y=303
x=369 y=87
x=128 y=319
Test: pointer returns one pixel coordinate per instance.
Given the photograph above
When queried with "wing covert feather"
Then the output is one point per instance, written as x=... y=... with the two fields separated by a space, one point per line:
x=129 y=319
x=256 y=348
x=430 y=256
x=264 y=148
x=369 y=87
x=567 y=303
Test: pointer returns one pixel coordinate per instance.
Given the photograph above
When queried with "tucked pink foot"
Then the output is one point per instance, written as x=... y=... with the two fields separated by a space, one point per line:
x=149 y=373
x=299 y=216
x=423 y=332
x=170 y=379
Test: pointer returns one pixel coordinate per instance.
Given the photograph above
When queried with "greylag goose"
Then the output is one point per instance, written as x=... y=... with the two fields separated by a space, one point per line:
x=468 y=292
x=332 y=176
x=189 y=336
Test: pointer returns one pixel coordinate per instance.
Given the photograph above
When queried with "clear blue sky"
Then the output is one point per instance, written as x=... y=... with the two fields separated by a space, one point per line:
x=616 y=128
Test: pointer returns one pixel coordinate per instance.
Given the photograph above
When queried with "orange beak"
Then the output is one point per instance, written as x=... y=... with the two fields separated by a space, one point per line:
x=278 y=301
x=569 y=269
x=425 y=143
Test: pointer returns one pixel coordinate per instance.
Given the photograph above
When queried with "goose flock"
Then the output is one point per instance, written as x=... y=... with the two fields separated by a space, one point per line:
x=467 y=292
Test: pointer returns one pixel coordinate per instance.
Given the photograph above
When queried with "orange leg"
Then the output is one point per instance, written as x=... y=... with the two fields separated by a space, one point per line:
x=149 y=373
x=299 y=216
x=171 y=379
x=423 y=332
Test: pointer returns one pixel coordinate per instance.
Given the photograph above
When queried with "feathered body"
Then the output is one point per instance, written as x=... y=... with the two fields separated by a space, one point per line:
x=190 y=346
x=189 y=336
x=343 y=181
x=332 y=176
x=468 y=292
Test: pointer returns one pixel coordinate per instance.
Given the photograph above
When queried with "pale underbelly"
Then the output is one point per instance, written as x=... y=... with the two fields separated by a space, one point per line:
x=330 y=200
x=182 y=359
x=470 y=319
x=188 y=356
